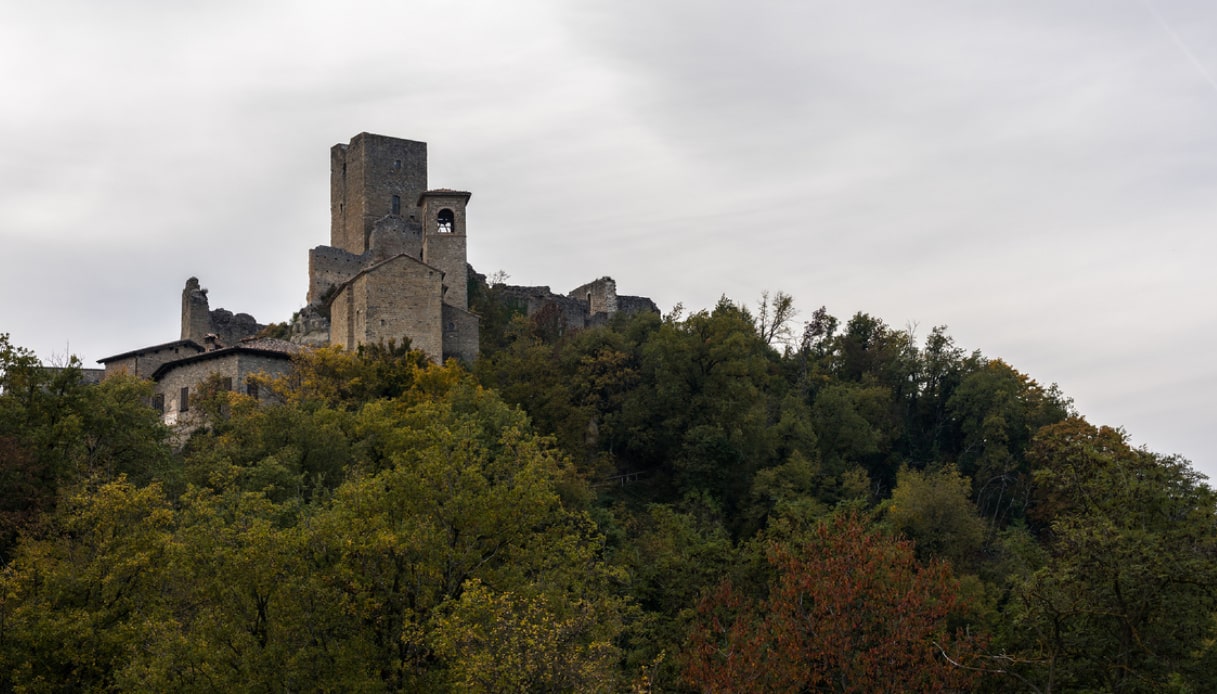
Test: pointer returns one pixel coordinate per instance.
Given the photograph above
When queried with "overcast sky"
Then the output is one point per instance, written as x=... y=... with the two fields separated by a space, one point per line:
x=1038 y=175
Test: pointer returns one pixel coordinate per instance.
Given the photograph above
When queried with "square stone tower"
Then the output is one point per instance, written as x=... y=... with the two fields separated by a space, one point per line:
x=443 y=215
x=373 y=177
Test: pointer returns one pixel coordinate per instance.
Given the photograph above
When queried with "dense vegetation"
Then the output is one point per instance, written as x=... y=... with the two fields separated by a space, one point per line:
x=703 y=502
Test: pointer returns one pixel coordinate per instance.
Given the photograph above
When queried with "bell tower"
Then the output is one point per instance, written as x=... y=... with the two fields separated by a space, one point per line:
x=444 y=245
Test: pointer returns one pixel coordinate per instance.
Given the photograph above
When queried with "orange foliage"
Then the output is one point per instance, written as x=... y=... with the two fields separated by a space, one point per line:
x=849 y=611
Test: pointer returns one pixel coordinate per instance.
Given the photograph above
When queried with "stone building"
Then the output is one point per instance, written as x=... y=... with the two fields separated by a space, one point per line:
x=396 y=267
x=213 y=344
x=395 y=270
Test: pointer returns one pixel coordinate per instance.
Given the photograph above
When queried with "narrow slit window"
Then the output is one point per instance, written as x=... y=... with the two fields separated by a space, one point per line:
x=396 y=204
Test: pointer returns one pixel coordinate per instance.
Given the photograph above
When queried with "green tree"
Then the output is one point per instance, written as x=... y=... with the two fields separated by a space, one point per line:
x=56 y=430
x=673 y=553
x=934 y=509
x=1124 y=600
x=702 y=410
x=70 y=605
x=854 y=426
x=507 y=642
x=998 y=410
x=470 y=494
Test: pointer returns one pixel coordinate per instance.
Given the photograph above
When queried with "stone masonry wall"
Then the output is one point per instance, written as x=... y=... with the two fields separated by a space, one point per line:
x=196 y=314
x=329 y=267
x=365 y=175
x=446 y=250
x=236 y=366
x=600 y=295
x=404 y=301
x=636 y=304
x=398 y=299
x=460 y=334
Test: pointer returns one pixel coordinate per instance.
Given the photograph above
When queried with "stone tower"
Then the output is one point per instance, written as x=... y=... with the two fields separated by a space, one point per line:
x=373 y=177
x=395 y=269
x=196 y=313
x=443 y=216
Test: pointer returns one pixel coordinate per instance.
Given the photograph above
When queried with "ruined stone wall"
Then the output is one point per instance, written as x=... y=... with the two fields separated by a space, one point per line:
x=636 y=304
x=600 y=296
x=198 y=321
x=366 y=176
x=196 y=315
x=310 y=327
x=230 y=328
x=532 y=300
x=329 y=267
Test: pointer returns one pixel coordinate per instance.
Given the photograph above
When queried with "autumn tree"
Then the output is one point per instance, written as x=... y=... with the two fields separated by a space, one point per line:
x=848 y=610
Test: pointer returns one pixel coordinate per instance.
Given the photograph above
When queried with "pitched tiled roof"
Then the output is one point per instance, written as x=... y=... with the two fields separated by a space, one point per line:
x=155 y=348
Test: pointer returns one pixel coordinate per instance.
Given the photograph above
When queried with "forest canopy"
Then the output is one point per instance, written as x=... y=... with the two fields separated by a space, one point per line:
x=722 y=501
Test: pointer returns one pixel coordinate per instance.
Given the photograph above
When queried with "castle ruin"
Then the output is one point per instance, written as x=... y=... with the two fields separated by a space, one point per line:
x=395 y=270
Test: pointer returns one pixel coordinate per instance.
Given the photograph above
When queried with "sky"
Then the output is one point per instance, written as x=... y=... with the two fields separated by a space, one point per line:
x=1038 y=176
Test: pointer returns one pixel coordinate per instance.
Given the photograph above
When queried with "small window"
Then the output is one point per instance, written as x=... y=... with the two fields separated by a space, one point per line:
x=184 y=402
x=445 y=221
x=397 y=165
x=251 y=389
x=226 y=384
x=158 y=403
x=396 y=204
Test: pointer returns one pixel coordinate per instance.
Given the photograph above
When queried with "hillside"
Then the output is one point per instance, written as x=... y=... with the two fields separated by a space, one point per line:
x=722 y=500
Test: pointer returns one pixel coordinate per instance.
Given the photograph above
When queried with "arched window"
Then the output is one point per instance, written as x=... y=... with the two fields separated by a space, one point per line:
x=445 y=221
